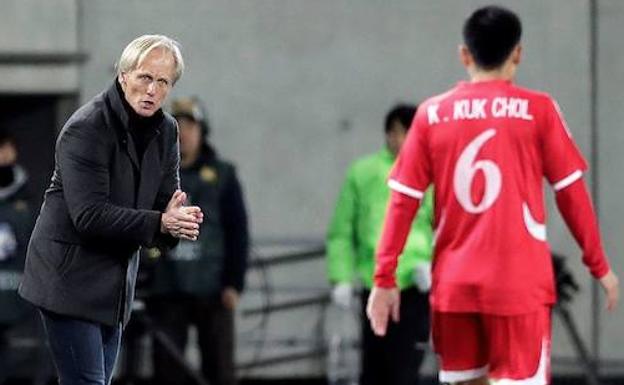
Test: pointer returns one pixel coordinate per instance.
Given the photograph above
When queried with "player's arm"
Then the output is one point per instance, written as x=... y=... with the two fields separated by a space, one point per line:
x=409 y=179
x=564 y=166
x=575 y=205
x=383 y=302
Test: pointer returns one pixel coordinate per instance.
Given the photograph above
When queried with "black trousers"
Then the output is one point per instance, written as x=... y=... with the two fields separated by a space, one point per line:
x=215 y=328
x=396 y=358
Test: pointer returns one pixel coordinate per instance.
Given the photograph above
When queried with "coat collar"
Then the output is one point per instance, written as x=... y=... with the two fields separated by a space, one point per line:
x=118 y=105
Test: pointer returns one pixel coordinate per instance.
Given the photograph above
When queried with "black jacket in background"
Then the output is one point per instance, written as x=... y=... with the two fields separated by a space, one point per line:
x=218 y=258
x=16 y=222
x=103 y=203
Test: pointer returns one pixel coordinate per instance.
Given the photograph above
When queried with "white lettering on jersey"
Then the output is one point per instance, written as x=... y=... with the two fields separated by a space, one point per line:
x=460 y=109
x=465 y=170
x=503 y=107
x=478 y=108
x=469 y=109
x=432 y=114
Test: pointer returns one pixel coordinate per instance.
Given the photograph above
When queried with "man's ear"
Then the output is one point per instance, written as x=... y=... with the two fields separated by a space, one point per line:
x=121 y=78
x=465 y=57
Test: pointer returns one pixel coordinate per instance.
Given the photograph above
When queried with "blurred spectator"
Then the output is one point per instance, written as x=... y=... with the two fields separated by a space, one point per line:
x=200 y=282
x=16 y=222
x=351 y=240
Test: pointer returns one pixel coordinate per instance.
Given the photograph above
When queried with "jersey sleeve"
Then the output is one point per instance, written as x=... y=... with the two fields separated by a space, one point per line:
x=577 y=211
x=411 y=172
x=563 y=163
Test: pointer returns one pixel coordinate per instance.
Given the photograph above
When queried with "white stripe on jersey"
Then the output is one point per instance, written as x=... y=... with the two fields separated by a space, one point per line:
x=399 y=187
x=568 y=180
x=536 y=229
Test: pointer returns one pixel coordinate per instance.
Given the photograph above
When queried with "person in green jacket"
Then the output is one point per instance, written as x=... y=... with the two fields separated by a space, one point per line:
x=353 y=234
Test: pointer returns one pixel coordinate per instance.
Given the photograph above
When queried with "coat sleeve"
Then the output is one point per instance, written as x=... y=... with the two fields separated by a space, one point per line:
x=84 y=155
x=341 y=234
x=236 y=233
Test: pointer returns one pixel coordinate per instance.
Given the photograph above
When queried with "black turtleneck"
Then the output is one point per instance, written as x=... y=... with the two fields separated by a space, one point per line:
x=141 y=128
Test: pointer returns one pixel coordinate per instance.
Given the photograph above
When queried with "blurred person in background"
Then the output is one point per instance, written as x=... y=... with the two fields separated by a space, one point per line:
x=115 y=188
x=351 y=240
x=199 y=283
x=16 y=221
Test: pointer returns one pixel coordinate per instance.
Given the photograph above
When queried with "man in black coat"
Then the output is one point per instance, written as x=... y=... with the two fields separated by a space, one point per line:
x=114 y=189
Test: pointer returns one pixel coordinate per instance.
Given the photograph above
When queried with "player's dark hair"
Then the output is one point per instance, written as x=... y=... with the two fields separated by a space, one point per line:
x=490 y=34
x=403 y=113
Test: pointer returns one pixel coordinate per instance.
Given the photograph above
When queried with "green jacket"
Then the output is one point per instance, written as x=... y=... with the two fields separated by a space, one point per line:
x=357 y=223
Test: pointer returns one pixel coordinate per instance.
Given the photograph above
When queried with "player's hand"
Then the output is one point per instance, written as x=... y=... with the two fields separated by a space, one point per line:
x=181 y=221
x=382 y=304
x=229 y=298
x=611 y=286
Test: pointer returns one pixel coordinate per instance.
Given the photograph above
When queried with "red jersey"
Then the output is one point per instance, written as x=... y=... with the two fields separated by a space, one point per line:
x=486 y=147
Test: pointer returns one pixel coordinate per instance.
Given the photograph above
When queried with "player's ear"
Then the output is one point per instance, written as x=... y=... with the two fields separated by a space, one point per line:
x=516 y=54
x=465 y=57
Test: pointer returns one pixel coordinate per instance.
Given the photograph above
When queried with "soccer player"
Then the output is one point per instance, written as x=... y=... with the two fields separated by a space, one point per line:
x=486 y=146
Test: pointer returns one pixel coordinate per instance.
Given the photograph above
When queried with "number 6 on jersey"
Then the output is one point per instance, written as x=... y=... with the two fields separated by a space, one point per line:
x=466 y=169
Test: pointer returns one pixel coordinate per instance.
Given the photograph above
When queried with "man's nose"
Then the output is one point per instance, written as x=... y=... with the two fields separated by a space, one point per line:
x=151 y=89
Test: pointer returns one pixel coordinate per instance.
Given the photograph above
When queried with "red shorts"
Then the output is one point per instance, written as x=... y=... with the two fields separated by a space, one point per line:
x=515 y=349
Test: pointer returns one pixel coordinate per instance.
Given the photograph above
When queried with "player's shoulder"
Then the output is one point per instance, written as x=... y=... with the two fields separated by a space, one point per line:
x=533 y=94
x=437 y=99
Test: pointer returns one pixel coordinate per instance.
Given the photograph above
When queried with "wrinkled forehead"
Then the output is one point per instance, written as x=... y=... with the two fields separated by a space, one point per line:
x=159 y=60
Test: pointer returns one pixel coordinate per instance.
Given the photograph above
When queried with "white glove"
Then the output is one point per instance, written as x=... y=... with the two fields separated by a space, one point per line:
x=342 y=295
x=422 y=276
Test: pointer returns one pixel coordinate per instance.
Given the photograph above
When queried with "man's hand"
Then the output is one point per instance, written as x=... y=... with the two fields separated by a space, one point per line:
x=383 y=304
x=611 y=286
x=229 y=297
x=181 y=221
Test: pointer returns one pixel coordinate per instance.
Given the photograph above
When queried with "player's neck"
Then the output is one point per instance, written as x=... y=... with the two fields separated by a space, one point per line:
x=506 y=72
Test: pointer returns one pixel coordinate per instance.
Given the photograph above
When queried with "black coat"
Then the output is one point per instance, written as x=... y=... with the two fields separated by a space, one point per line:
x=103 y=204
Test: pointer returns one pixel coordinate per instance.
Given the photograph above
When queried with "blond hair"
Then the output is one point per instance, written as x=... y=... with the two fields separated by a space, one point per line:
x=139 y=48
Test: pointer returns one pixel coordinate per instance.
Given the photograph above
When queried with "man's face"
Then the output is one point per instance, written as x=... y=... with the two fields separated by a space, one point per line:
x=146 y=87
x=8 y=154
x=190 y=136
x=395 y=136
